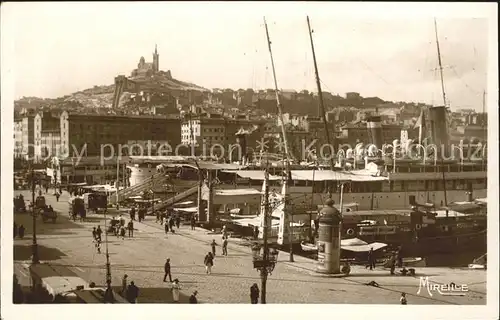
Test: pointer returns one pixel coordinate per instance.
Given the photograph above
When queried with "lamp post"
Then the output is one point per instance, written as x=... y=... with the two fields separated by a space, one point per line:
x=34 y=247
x=266 y=261
x=108 y=295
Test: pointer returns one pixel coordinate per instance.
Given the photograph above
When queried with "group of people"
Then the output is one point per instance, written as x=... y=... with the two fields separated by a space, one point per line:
x=97 y=238
x=141 y=213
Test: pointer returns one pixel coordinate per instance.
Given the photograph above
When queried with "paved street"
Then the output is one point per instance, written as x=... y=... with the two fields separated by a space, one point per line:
x=143 y=256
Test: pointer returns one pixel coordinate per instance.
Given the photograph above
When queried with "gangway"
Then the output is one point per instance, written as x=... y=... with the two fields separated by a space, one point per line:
x=149 y=183
x=177 y=198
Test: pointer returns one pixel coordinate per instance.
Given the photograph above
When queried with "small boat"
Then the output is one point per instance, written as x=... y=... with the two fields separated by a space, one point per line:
x=308 y=247
x=409 y=262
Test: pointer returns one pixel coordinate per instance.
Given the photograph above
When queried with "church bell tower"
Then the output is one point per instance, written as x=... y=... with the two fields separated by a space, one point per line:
x=156 y=60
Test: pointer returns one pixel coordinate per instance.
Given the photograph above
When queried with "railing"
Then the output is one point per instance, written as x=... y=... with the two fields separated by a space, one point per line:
x=179 y=197
x=138 y=188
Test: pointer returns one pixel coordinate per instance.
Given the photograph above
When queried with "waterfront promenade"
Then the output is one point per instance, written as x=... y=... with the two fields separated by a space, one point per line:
x=143 y=256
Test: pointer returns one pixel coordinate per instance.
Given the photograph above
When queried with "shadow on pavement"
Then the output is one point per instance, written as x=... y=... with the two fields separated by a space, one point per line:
x=61 y=226
x=23 y=253
x=158 y=295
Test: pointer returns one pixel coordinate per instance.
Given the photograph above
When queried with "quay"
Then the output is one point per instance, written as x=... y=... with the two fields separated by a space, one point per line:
x=142 y=257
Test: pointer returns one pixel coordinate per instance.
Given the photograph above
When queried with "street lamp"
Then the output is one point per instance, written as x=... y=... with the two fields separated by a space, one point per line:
x=265 y=263
x=34 y=259
x=108 y=295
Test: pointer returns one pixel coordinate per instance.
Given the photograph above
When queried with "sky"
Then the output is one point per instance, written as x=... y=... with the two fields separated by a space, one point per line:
x=61 y=48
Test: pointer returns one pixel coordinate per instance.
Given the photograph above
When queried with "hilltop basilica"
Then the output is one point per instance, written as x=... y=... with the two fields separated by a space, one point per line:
x=149 y=69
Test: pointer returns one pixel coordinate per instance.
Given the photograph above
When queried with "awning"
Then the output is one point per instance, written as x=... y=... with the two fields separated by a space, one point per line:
x=314 y=175
x=190 y=210
x=237 y=192
x=185 y=203
x=364 y=248
x=328 y=175
x=482 y=200
x=252 y=174
x=352 y=242
x=205 y=165
x=58 y=285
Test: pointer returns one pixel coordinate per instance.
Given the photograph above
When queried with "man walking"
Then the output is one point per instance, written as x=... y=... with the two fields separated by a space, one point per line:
x=167 y=271
x=130 y=228
x=57 y=196
x=193 y=222
x=209 y=262
x=99 y=233
x=371 y=259
x=224 y=247
x=213 y=244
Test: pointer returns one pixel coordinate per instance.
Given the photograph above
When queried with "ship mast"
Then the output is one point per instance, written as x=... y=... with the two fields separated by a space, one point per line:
x=444 y=101
x=288 y=177
x=440 y=64
x=321 y=102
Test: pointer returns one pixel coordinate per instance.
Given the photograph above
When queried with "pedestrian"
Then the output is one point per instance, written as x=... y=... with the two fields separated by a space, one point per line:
x=399 y=258
x=167 y=271
x=224 y=247
x=193 y=222
x=142 y=214
x=94 y=233
x=209 y=262
x=57 y=196
x=392 y=264
x=166 y=228
x=178 y=221
x=403 y=298
x=371 y=259
x=192 y=298
x=15 y=230
x=132 y=292
x=46 y=188
x=132 y=213
x=124 y=284
x=122 y=232
x=99 y=233
x=213 y=244
x=21 y=231
x=171 y=224
x=158 y=216
x=254 y=294
x=130 y=228
x=256 y=232
x=176 y=287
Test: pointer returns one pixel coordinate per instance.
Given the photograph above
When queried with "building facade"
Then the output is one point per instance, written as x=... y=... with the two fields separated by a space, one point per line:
x=94 y=135
x=213 y=131
x=47 y=136
x=18 y=138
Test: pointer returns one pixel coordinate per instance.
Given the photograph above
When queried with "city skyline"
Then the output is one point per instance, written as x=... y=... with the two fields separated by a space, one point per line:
x=395 y=60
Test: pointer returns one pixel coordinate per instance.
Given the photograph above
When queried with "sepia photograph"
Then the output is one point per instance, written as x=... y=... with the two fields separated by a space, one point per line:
x=328 y=153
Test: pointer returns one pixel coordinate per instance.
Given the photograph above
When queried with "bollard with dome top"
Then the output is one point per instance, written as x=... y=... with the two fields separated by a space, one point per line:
x=329 y=239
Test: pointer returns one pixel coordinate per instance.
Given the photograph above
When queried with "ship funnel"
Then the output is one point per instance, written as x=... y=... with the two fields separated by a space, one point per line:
x=374 y=126
x=439 y=127
x=241 y=140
